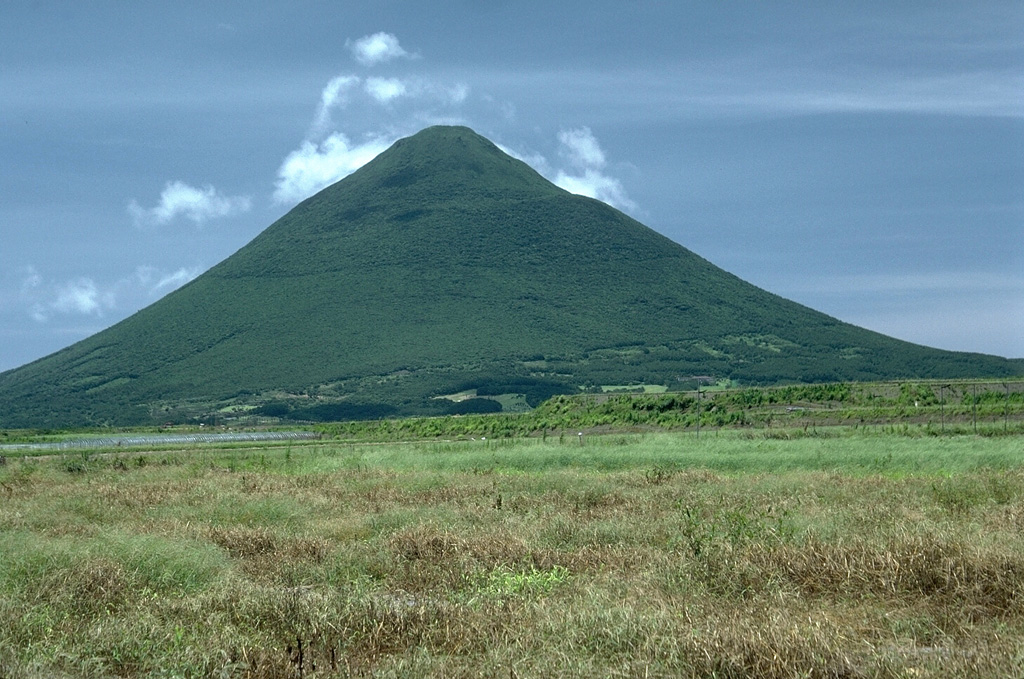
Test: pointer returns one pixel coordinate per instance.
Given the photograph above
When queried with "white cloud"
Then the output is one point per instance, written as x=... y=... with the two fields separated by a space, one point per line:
x=583 y=152
x=352 y=89
x=581 y=148
x=81 y=296
x=198 y=205
x=175 y=280
x=312 y=167
x=333 y=95
x=587 y=178
x=85 y=297
x=376 y=49
x=381 y=108
x=385 y=89
x=535 y=160
x=157 y=283
x=594 y=184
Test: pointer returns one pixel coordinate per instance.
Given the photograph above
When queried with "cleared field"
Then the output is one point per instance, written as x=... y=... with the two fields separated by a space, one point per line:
x=648 y=556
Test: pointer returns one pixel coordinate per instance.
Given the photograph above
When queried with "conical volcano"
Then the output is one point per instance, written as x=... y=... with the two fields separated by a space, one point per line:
x=443 y=265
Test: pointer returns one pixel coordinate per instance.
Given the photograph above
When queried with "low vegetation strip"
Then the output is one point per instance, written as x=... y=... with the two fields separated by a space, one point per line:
x=913 y=408
x=623 y=555
x=160 y=440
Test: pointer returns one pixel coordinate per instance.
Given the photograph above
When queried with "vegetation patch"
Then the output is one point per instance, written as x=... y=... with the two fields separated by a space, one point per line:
x=634 y=388
x=863 y=555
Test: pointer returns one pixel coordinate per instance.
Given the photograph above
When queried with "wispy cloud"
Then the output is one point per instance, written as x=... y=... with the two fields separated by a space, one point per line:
x=43 y=299
x=314 y=166
x=157 y=283
x=595 y=184
x=385 y=89
x=376 y=49
x=958 y=94
x=587 y=177
x=585 y=174
x=535 y=160
x=334 y=95
x=30 y=279
x=384 y=108
x=83 y=296
x=178 y=199
x=581 y=148
x=937 y=282
x=387 y=108
x=458 y=93
x=80 y=296
x=753 y=87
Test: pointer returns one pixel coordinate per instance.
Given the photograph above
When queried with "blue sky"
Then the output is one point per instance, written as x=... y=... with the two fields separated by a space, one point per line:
x=865 y=159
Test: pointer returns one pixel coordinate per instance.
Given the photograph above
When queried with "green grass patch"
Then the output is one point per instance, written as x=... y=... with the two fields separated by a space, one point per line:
x=634 y=388
x=861 y=555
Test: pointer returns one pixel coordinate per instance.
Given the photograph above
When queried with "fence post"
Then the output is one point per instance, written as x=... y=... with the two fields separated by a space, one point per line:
x=698 y=409
x=942 y=407
x=1006 y=408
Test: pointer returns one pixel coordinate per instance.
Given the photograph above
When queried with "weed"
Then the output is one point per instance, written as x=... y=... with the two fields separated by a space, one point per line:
x=503 y=583
x=76 y=464
x=659 y=475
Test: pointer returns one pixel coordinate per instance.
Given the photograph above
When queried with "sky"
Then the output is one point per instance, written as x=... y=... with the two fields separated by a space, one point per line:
x=865 y=159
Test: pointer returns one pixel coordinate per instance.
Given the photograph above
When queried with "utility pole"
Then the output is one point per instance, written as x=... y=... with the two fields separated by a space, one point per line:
x=975 y=407
x=1006 y=407
x=700 y=378
x=698 y=410
x=942 y=406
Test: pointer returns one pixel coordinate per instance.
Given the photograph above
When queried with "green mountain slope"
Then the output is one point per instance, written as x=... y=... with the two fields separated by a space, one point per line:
x=445 y=264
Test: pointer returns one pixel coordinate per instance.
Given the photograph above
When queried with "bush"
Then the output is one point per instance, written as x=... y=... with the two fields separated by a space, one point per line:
x=339 y=412
x=274 y=409
x=474 y=405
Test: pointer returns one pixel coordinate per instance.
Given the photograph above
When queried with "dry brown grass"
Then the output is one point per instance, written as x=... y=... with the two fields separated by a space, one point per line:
x=280 y=570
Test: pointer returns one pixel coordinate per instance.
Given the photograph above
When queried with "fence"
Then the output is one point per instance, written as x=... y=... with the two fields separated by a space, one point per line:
x=161 y=440
x=953 y=405
x=933 y=403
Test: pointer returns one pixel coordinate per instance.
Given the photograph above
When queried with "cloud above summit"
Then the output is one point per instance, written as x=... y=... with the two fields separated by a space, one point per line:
x=385 y=89
x=376 y=49
x=334 y=95
x=384 y=109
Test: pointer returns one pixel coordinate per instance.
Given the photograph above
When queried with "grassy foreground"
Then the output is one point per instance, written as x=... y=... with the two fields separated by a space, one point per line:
x=642 y=556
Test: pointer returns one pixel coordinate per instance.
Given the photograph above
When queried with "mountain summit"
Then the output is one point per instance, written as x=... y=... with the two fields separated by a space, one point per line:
x=445 y=265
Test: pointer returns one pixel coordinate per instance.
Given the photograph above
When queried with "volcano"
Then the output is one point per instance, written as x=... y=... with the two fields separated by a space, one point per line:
x=443 y=266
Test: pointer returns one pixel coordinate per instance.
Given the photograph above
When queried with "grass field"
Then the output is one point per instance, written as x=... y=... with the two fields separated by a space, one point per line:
x=861 y=555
